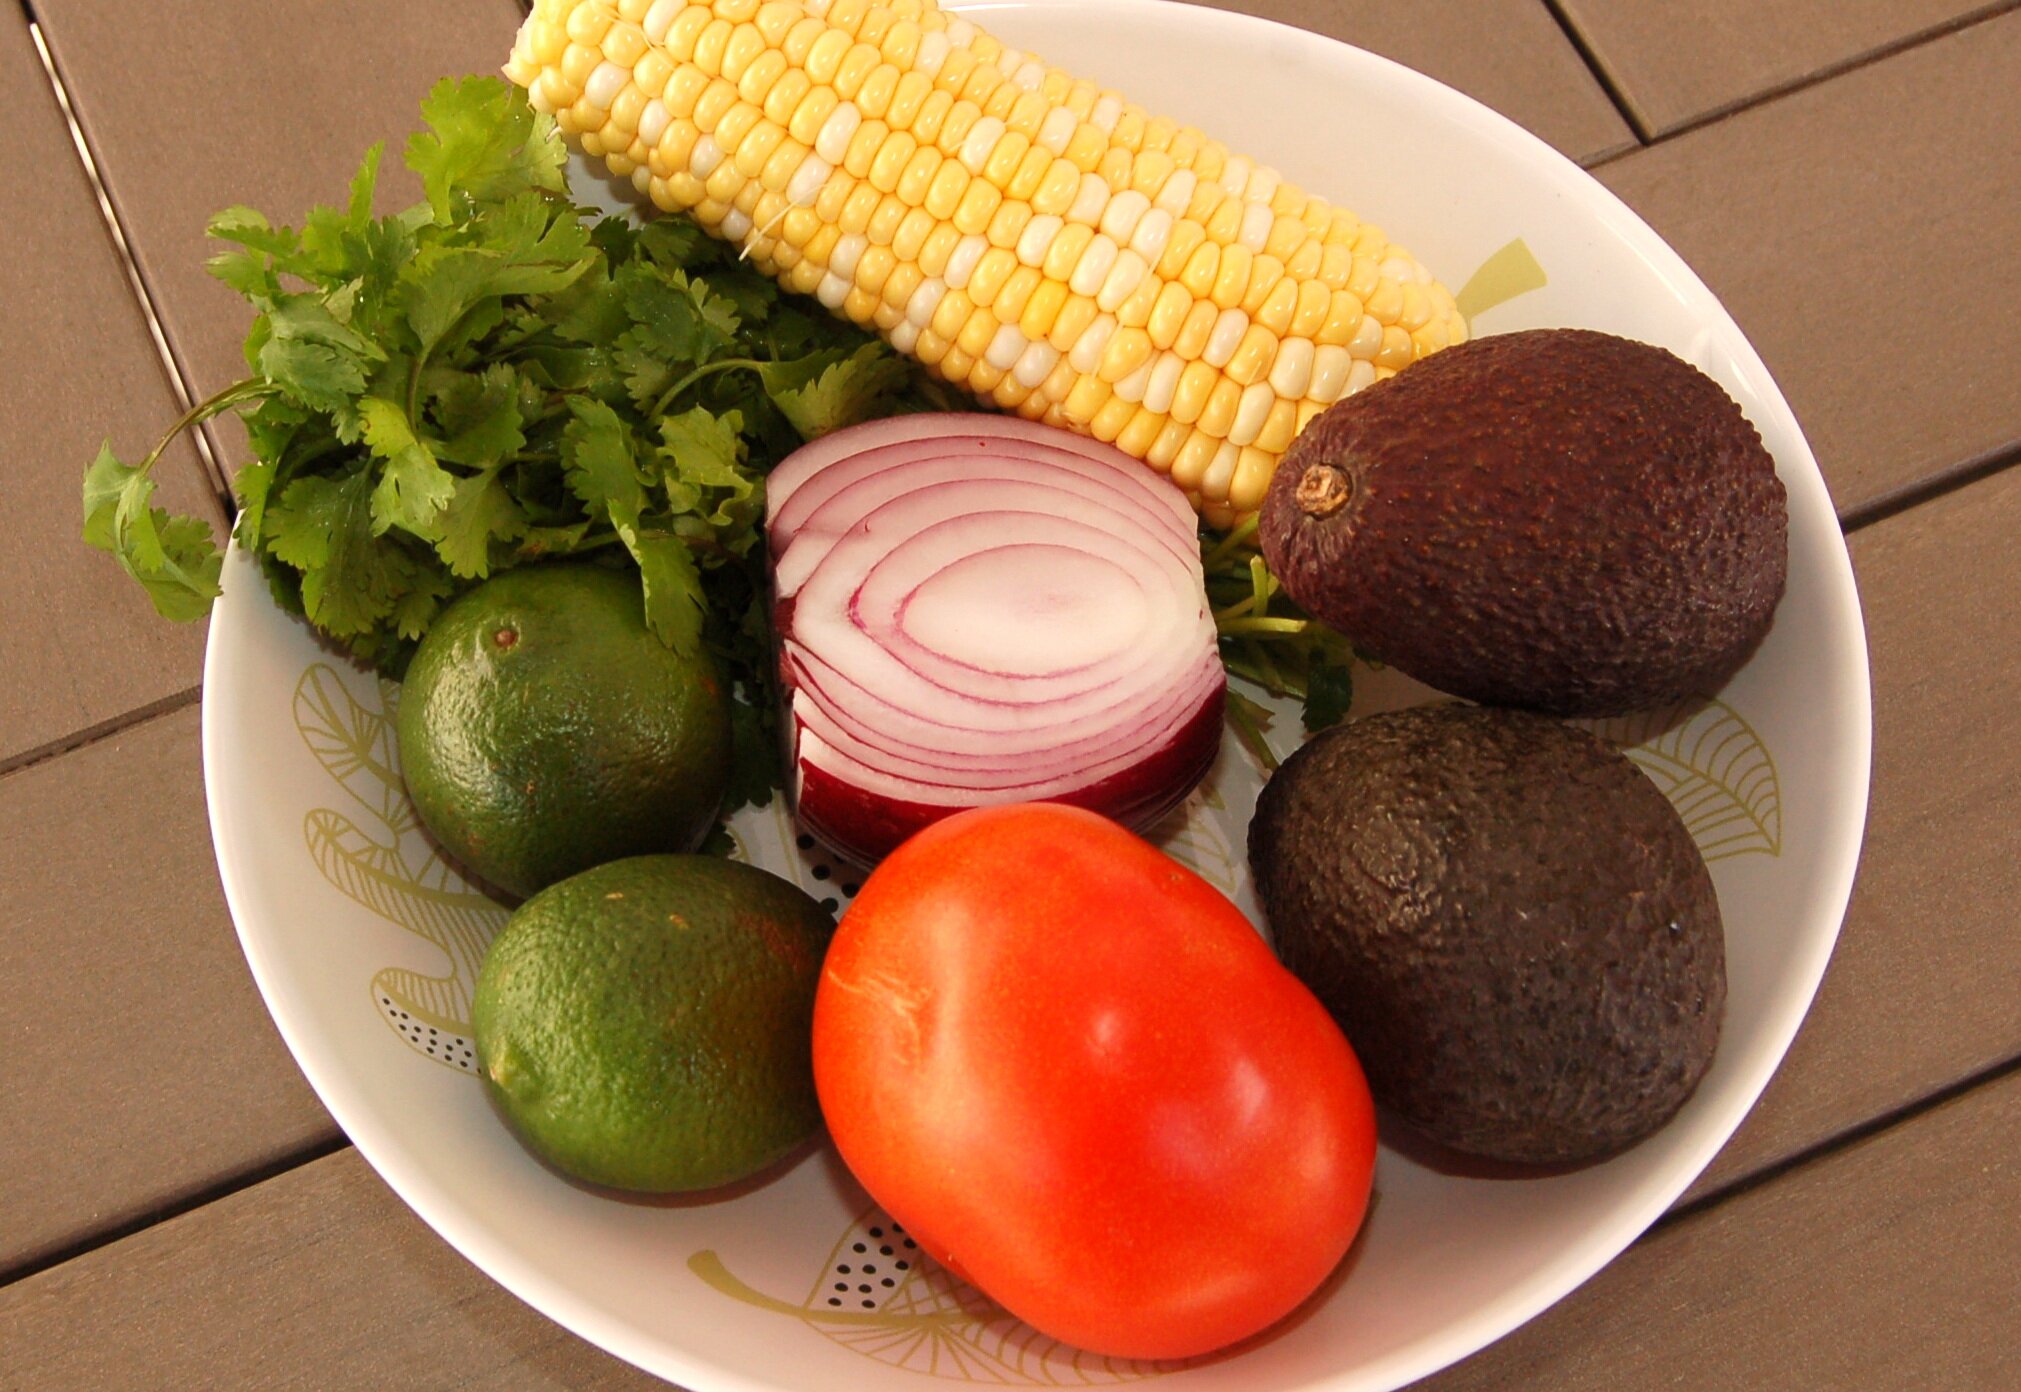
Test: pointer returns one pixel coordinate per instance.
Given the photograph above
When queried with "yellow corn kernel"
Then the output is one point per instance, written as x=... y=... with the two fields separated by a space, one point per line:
x=930 y=348
x=587 y=24
x=951 y=315
x=1072 y=321
x=1064 y=253
x=736 y=11
x=1087 y=397
x=1135 y=438
x=987 y=278
x=885 y=222
x=1397 y=351
x=1135 y=311
x=1056 y=190
x=776 y=18
x=857 y=210
x=1415 y=312
x=1231 y=277
x=912 y=233
x=1168 y=312
x=937 y=248
x=1189 y=398
x=1189 y=465
x=1043 y=308
x=1201 y=270
x=808 y=117
x=805 y=275
x=1219 y=413
x=1007 y=223
x=974 y=338
x=1386 y=304
x=900 y=44
x=1266 y=273
x=1085 y=148
x=787 y=157
x=873 y=98
x=1365 y=276
x=1279 y=426
x=857 y=65
x=1253 y=468
x=907 y=99
x=1196 y=330
x=944 y=194
x=978 y=205
x=892 y=155
x=1165 y=445
x=917 y=176
x=756 y=147
x=956 y=365
x=756 y=79
x=824 y=57
x=1018 y=288
x=1108 y=422
x=899 y=286
x=1253 y=356
x=1127 y=350
x=1343 y=319
x=1025 y=180
x=833 y=196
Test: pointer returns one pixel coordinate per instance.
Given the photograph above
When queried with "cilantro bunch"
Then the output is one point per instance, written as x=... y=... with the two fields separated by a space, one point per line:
x=495 y=377
x=1270 y=641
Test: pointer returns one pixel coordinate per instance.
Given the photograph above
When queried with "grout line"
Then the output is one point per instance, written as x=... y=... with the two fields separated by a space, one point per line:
x=1840 y=1141
x=176 y=1207
x=177 y=380
x=1929 y=488
x=1868 y=58
x=105 y=729
x=1591 y=58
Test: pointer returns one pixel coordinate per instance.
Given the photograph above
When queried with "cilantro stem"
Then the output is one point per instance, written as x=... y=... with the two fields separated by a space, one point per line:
x=1230 y=544
x=1241 y=712
x=1258 y=627
x=705 y=370
x=210 y=406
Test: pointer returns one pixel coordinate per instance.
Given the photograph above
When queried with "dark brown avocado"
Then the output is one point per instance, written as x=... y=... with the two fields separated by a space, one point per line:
x=1558 y=519
x=1507 y=919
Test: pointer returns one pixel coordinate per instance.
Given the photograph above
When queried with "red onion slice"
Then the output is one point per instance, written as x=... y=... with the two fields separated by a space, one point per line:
x=976 y=609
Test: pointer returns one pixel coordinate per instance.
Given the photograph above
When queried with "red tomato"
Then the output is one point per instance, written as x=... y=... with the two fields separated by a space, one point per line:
x=1082 y=1081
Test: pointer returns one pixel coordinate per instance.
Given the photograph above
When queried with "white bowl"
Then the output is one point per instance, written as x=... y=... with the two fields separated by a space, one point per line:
x=365 y=945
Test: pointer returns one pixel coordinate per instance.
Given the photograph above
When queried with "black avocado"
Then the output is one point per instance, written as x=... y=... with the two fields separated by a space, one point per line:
x=1508 y=920
x=1561 y=520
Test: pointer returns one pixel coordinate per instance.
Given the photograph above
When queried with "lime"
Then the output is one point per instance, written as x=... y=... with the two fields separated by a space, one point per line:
x=544 y=729
x=646 y=1025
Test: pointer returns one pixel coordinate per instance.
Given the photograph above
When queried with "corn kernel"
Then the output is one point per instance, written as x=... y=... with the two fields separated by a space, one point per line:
x=991 y=271
x=1074 y=319
x=938 y=248
x=907 y=99
x=902 y=283
x=854 y=219
x=1189 y=465
x=1109 y=421
x=1088 y=396
x=1232 y=277
x=913 y=230
x=812 y=114
x=1171 y=438
x=1196 y=329
x=1057 y=189
x=1364 y=277
x=1127 y=350
x=951 y=315
x=1397 y=351
x=1008 y=223
x=873 y=98
x=1018 y=288
x=1042 y=309
x=756 y=147
x=1218 y=415
x=1189 y=398
x=758 y=77
x=1066 y=249
x=1343 y=320
x=1181 y=246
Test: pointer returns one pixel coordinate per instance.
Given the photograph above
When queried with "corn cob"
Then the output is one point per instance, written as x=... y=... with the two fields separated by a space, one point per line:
x=1023 y=233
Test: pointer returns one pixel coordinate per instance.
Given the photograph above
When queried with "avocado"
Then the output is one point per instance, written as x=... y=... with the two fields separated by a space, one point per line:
x=1507 y=919
x=1558 y=519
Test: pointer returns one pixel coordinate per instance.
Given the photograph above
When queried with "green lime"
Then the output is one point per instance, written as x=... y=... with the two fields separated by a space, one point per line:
x=647 y=1024
x=544 y=729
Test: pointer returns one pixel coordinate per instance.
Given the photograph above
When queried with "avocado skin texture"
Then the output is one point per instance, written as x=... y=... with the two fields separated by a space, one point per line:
x=1558 y=519
x=1507 y=919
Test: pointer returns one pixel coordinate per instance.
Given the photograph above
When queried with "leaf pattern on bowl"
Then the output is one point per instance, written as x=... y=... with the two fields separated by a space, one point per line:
x=389 y=866
x=880 y=1296
x=1714 y=769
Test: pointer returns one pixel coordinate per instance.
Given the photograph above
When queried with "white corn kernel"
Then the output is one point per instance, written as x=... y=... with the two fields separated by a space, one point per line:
x=982 y=138
x=961 y=261
x=807 y=180
x=1291 y=370
x=1256 y=220
x=925 y=299
x=1090 y=200
x=817 y=8
x=605 y=83
x=1235 y=174
x=653 y=122
x=660 y=18
x=1154 y=229
x=1263 y=182
x=1108 y=110
x=832 y=290
x=1093 y=267
x=1131 y=388
x=1177 y=194
x=1220 y=471
x=832 y=143
x=1400 y=269
x=1251 y=412
x=1120 y=218
x=849 y=249
x=1225 y=337
x=1036 y=238
x=1009 y=60
x=1330 y=365
x=1361 y=375
x=933 y=50
x=1058 y=129
x=960 y=32
x=1165 y=370
x=735 y=226
x=1036 y=364
x=1005 y=348
x=904 y=335
x=1086 y=354
x=1121 y=282
x=642 y=178
x=703 y=159
x=1031 y=75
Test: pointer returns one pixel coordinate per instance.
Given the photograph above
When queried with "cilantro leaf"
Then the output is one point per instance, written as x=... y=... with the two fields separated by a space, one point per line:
x=414 y=488
x=483 y=144
x=482 y=510
x=322 y=526
x=598 y=462
x=827 y=390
